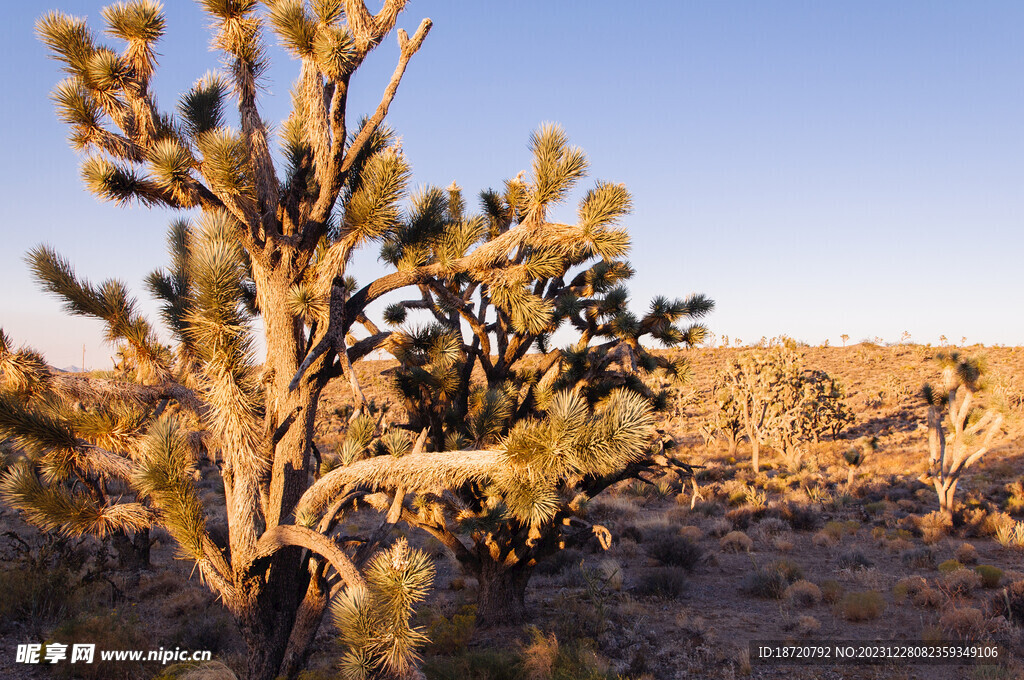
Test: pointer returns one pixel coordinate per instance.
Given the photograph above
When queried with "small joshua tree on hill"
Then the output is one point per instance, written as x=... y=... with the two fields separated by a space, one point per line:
x=778 y=402
x=959 y=433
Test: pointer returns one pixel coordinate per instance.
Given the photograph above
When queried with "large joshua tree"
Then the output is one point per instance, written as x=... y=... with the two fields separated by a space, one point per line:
x=274 y=240
x=532 y=277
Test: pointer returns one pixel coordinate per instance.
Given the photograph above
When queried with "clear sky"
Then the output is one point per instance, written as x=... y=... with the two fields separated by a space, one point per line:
x=817 y=168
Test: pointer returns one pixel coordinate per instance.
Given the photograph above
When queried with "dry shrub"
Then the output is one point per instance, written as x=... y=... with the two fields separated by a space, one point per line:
x=807 y=626
x=853 y=560
x=717 y=527
x=691 y=532
x=743 y=517
x=610 y=573
x=967 y=554
x=918 y=558
x=674 y=551
x=736 y=541
x=782 y=544
x=708 y=508
x=962 y=581
x=934 y=526
x=801 y=517
x=963 y=622
x=993 y=522
x=106 y=632
x=211 y=670
x=666 y=582
x=899 y=545
x=823 y=539
x=928 y=597
x=539 y=655
x=908 y=587
x=831 y=591
x=803 y=593
x=768 y=528
x=990 y=576
x=861 y=606
x=1010 y=603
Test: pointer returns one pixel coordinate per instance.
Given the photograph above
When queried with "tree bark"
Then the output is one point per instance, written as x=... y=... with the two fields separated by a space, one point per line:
x=501 y=599
x=132 y=552
x=266 y=622
x=755 y=454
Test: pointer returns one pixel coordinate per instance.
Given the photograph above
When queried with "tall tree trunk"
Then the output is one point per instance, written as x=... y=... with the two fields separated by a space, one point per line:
x=501 y=599
x=307 y=623
x=946 y=493
x=755 y=454
x=267 y=619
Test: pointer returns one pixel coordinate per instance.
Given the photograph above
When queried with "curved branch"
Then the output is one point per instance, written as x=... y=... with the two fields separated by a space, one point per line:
x=284 y=535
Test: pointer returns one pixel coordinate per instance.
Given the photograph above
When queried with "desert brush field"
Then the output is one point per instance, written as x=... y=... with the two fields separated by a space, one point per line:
x=810 y=547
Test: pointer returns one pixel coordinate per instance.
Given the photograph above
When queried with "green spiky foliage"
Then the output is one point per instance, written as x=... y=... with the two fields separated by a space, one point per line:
x=855 y=455
x=780 y=403
x=71 y=461
x=502 y=284
x=960 y=430
x=374 y=620
x=274 y=224
x=508 y=279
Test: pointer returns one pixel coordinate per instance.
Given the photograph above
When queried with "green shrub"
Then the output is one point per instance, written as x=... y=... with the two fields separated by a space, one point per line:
x=950 y=565
x=772 y=581
x=861 y=606
x=483 y=664
x=990 y=576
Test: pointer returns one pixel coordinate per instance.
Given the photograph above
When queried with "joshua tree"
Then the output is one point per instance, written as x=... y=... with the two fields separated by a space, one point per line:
x=844 y=337
x=855 y=455
x=542 y=275
x=275 y=243
x=727 y=418
x=779 y=403
x=971 y=430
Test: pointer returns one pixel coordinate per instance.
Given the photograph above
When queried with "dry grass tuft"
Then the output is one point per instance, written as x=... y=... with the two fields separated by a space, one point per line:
x=803 y=593
x=963 y=622
x=962 y=581
x=736 y=541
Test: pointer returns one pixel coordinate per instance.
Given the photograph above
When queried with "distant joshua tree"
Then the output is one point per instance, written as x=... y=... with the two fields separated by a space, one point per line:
x=971 y=431
x=844 y=337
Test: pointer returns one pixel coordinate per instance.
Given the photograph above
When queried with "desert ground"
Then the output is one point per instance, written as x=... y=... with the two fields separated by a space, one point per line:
x=791 y=553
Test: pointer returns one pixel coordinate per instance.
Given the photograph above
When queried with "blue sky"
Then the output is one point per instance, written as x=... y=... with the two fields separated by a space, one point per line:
x=817 y=168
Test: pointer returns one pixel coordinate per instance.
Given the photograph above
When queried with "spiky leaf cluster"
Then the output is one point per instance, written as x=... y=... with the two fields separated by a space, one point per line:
x=374 y=621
